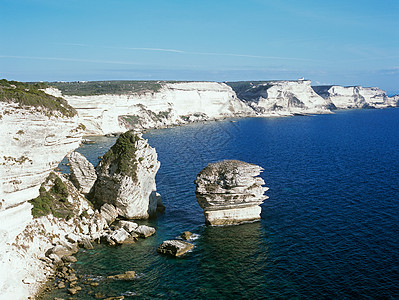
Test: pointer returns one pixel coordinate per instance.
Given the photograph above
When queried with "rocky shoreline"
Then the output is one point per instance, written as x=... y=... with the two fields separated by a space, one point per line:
x=60 y=219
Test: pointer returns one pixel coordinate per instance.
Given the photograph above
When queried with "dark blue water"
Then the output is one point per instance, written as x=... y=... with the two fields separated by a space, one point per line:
x=328 y=230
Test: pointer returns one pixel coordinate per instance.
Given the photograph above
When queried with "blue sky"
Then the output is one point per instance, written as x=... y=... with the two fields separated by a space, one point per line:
x=346 y=42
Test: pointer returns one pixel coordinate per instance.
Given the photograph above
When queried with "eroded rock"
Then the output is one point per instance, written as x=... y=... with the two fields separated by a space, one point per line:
x=126 y=178
x=144 y=231
x=83 y=174
x=174 y=247
x=230 y=192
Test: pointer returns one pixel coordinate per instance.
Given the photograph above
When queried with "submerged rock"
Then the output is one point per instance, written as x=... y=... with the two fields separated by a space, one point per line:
x=83 y=174
x=174 y=247
x=230 y=193
x=126 y=178
x=128 y=275
x=186 y=235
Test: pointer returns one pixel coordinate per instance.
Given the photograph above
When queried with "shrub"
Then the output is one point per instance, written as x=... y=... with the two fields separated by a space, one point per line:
x=29 y=95
x=123 y=153
x=53 y=201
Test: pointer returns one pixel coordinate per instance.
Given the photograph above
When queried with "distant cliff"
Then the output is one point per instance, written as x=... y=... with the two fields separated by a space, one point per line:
x=153 y=105
x=116 y=106
x=355 y=96
x=281 y=97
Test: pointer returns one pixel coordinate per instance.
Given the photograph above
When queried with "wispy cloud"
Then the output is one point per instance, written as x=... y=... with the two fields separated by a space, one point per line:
x=71 y=59
x=180 y=51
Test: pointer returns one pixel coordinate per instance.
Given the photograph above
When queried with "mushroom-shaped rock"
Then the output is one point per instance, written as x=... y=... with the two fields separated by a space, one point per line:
x=174 y=247
x=126 y=178
x=230 y=192
x=83 y=174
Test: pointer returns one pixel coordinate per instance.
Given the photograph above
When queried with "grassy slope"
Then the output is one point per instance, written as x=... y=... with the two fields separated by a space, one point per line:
x=30 y=95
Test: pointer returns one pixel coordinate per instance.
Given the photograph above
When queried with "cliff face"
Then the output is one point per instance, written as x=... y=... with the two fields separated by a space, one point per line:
x=281 y=97
x=355 y=96
x=159 y=104
x=37 y=131
x=32 y=144
x=174 y=103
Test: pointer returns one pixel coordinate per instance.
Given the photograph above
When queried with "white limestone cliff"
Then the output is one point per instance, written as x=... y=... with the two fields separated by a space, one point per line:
x=355 y=96
x=279 y=98
x=184 y=102
x=31 y=145
x=174 y=103
x=230 y=192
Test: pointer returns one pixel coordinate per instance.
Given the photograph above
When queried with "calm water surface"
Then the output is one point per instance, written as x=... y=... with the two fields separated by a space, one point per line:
x=328 y=230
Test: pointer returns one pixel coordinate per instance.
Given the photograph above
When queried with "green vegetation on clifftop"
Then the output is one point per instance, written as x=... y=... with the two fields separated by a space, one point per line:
x=123 y=153
x=90 y=88
x=30 y=95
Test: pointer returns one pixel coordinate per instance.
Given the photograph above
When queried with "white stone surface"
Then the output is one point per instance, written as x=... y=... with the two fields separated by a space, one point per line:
x=83 y=174
x=290 y=97
x=134 y=198
x=230 y=192
x=358 y=97
x=194 y=100
x=31 y=146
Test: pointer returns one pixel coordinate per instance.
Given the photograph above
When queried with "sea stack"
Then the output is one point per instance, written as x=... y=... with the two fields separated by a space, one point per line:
x=230 y=192
x=126 y=178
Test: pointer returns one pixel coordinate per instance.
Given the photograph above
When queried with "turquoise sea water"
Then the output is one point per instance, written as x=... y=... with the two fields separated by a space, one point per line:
x=330 y=228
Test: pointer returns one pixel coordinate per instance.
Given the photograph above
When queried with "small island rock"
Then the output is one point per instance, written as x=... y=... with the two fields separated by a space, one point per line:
x=174 y=247
x=230 y=192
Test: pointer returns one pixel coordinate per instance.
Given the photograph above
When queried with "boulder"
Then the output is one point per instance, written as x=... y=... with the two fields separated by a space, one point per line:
x=121 y=236
x=86 y=243
x=69 y=259
x=126 y=178
x=230 y=192
x=174 y=247
x=127 y=225
x=73 y=238
x=55 y=259
x=83 y=174
x=108 y=212
x=144 y=231
x=62 y=250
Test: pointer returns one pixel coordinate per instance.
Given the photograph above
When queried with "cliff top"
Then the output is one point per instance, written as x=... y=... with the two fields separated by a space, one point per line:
x=31 y=95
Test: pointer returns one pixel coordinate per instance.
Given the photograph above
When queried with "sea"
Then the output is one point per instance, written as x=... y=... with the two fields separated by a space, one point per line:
x=329 y=229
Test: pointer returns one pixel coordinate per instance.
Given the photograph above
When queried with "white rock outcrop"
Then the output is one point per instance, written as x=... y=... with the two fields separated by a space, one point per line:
x=126 y=178
x=355 y=96
x=32 y=144
x=184 y=102
x=26 y=262
x=230 y=192
x=279 y=98
x=174 y=103
x=83 y=175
